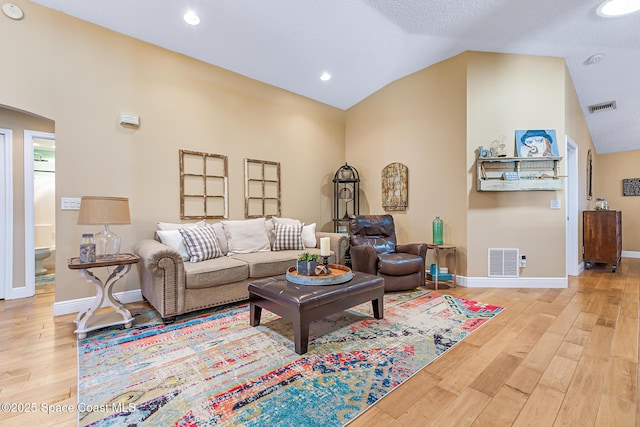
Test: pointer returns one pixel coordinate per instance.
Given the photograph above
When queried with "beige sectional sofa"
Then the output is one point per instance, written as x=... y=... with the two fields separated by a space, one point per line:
x=174 y=285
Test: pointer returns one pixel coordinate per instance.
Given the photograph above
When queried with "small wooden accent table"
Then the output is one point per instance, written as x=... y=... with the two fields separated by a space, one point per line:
x=89 y=320
x=451 y=249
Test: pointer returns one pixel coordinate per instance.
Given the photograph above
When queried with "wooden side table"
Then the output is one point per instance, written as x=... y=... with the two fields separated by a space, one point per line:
x=450 y=249
x=89 y=320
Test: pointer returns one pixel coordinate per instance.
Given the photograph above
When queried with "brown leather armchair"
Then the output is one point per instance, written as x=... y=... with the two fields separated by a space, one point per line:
x=374 y=250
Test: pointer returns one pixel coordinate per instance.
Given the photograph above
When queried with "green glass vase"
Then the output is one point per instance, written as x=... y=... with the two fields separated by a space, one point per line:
x=437 y=231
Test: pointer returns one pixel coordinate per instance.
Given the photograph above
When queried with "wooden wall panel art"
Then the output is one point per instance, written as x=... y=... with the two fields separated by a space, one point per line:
x=395 y=187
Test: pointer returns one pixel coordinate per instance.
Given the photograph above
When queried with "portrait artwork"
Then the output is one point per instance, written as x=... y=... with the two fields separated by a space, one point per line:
x=536 y=143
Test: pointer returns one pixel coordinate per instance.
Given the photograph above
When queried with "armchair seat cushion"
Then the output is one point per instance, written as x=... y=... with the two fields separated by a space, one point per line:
x=399 y=264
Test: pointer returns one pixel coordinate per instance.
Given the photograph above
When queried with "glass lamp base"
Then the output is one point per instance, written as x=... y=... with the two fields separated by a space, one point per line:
x=107 y=244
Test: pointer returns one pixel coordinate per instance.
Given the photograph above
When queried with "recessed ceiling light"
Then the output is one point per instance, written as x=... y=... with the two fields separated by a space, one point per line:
x=325 y=76
x=613 y=8
x=191 y=18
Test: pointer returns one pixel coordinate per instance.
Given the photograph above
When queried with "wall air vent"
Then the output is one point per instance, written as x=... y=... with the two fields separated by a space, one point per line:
x=596 y=108
x=503 y=262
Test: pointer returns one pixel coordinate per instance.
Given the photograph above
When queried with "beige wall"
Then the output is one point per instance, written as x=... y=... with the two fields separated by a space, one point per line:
x=507 y=93
x=18 y=122
x=419 y=120
x=82 y=76
x=611 y=169
x=577 y=130
x=434 y=121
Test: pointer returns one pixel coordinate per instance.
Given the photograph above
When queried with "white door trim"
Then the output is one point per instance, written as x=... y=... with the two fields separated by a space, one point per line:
x=29 y=221
x=6 y=227
x=571 y=203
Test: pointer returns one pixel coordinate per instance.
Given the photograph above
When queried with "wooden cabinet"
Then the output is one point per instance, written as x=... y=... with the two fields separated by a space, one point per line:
x=518 y=174
x=602 y=237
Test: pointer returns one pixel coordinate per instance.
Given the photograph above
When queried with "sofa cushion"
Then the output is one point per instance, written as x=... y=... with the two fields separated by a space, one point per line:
x=214 y=272
x=275 y=263
x=309 y=236
x=174 y=240
x=165 y=226
x=287 y=237
x=286 y=221
x=201 y=243
x=246 y=236
x=265 y=264
x=222 y=239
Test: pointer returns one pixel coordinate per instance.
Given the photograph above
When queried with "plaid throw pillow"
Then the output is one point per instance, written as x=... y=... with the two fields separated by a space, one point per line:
x=201 y=243
x=287 y=237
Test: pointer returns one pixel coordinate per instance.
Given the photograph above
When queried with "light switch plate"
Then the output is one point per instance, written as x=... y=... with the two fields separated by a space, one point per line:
x=555 y=204
x=70 y=203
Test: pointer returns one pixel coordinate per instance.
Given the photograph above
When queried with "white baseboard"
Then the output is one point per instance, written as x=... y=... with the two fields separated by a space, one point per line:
x=630 y=254
x=81 y=304
x=513 y=282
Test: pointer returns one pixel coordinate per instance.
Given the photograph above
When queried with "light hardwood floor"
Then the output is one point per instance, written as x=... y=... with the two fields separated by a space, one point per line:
x=553 y=357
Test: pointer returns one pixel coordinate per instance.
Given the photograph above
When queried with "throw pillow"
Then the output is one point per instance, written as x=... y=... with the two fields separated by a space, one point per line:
x=246 y=236
x=286 y=221
x=287 y=237
x=222 y=239
x=173 y=239
x=166 y=226
x=201 y=243
x=309 y=235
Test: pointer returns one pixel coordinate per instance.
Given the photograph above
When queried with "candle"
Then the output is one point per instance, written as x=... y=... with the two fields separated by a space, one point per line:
x=324 y=246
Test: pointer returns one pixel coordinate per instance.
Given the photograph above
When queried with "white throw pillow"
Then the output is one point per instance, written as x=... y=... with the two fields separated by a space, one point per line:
x=286 y=221
x=201 y=243
x=165 y=226
x=309 y=235
x=173 y=239
x=246 y=236
x=288 y=237
x=222 y=239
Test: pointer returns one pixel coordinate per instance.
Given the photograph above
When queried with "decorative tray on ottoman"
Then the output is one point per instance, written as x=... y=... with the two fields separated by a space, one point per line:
x=339 y=274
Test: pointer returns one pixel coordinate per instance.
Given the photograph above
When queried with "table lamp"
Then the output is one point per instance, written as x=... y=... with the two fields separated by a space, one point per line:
x=105 y=211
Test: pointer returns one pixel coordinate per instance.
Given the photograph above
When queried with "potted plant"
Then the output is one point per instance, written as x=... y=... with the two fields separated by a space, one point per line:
x=307 y=264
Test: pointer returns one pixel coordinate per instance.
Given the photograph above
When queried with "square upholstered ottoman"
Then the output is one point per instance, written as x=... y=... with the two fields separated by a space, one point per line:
x=303 y=304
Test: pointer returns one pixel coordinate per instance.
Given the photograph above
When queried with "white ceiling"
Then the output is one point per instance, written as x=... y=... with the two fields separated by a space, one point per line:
x=366 y=44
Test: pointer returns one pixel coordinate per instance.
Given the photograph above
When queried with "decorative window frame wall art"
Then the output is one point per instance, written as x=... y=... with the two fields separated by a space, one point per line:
x=261 y=188
x=536 y=143
x=395 y=187
x=203 y=185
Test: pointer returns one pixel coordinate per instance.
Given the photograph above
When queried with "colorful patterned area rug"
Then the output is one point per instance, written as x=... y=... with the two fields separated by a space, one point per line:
x=215 y=369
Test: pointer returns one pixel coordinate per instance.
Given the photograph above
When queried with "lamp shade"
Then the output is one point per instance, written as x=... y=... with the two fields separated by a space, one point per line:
x=97 y=210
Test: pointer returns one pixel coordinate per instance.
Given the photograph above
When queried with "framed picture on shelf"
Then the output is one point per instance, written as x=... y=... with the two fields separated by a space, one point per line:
x=536 y=143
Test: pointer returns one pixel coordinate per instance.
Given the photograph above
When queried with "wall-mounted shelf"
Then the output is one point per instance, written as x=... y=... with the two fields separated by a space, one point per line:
x=518 y=174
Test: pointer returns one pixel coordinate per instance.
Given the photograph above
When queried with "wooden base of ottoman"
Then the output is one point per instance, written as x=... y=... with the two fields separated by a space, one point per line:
x=302 y=304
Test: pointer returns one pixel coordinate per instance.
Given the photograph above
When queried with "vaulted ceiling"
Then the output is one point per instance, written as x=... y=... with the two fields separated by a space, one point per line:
x=366 y=44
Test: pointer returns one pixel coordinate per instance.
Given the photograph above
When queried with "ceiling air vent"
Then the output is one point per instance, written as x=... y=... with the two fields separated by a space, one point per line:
x=596 y=108
x=503 y=262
